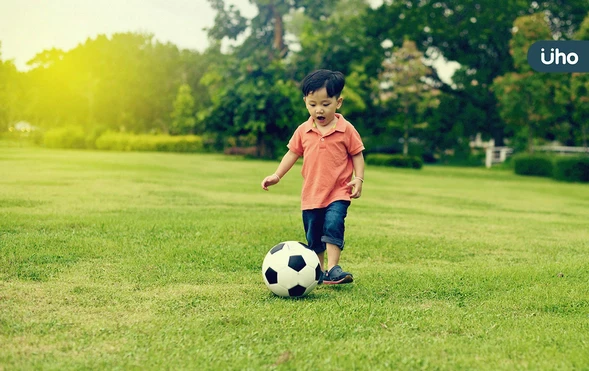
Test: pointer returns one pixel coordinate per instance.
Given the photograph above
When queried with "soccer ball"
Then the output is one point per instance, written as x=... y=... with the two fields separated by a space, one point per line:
x=290 y=269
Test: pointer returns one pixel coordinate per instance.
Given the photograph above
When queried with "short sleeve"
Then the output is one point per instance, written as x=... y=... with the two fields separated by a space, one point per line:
x=296 y=143
x=355 y=144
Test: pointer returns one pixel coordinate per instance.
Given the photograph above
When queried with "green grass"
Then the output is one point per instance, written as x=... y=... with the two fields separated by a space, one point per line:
x=152 y=261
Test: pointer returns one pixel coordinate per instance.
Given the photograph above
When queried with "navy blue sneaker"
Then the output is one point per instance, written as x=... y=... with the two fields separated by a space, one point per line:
x=337 y=276
x=320 y=280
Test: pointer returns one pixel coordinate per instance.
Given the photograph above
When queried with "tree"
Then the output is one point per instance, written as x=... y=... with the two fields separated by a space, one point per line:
x=527 y=99
x=9 y=93
x=261 y=103
x=126 y=82
x=183 y=119
x=405 y=84
x=476 y=35
x=333 y=36
x=255 y=97
x=580 y=92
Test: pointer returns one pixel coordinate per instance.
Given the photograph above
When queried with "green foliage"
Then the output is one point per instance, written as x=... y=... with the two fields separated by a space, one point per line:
x=572 y=168
x=94 y=133
x=160 y=143
x=526 y=31
x=325 y=43
x=131 y=82
x=128 y=81
x=535 y=165
x=262 y=102
x=384 y=159
x=579 y=90
x=521 y=99
x=540 y=105
x=10 y=89
x=65 y=137
x=100 y=138
x=404 y=77
x=183 y=119
x=477 y=36
x=465 y=159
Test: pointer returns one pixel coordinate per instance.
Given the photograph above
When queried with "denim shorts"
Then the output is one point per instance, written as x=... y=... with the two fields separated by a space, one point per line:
x=325 y=225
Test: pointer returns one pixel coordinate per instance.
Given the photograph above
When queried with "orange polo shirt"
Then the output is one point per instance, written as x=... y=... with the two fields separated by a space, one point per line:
x=327 y=161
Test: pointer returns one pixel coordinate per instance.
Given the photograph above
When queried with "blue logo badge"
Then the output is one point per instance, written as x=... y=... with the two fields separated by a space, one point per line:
x=559 y=56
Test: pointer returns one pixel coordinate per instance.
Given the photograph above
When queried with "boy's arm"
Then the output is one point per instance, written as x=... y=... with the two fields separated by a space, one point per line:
x=285 y=165
x=356 y=183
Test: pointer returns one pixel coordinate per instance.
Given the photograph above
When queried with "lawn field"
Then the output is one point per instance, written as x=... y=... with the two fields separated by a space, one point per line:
x=153 y=261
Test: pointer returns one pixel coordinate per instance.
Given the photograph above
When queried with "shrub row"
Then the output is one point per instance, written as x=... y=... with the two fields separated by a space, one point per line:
x=572 y=169
x=383 y=159
x=75 y=138
x=160 y=143
x=65 y=137
x=535 y=165
x=566 y=168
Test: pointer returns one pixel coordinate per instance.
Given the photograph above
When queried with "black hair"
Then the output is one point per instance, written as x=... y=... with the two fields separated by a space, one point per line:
x=332 y=81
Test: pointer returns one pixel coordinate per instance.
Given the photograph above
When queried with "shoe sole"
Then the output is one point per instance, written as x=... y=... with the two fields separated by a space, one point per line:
x=346 y=279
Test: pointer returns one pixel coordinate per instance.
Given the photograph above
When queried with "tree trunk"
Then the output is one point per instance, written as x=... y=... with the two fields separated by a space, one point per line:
x=278 y=44
x=406 y=139
x=262 y=148
x=530 y=139
x=584 y=136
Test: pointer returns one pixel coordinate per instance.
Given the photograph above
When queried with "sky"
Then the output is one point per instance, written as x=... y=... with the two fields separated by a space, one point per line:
x=28 y=27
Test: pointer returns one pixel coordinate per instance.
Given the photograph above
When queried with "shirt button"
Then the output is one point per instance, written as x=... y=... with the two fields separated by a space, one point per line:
x=322 y=139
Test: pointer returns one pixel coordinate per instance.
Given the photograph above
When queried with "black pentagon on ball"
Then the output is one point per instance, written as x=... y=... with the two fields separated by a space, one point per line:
x=277 y=248
x=296 y=262
x=318 y=272
x=298 y=290
x=271 y=276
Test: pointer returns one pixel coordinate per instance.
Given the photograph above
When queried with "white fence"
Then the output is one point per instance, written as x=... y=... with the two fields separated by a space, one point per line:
x=562 y=149
x=495 y=155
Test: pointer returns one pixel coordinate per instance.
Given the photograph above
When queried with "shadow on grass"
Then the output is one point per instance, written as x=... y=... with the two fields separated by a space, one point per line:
x=321 y=293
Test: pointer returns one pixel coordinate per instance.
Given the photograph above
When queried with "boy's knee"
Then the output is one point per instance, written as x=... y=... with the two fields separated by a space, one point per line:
x=334 y=226
x=339 y=242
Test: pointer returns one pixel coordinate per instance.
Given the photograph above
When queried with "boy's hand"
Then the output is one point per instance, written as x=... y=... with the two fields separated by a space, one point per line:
x=356 y=185
x=269 y=181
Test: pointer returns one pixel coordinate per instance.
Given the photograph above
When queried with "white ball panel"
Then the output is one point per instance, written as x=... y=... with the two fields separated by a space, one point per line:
x=307 y=276
x=279 y=290
x=277 y=260
x=288 y=277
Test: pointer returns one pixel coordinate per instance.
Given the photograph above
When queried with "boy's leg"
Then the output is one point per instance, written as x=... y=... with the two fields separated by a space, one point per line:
x=333 y=255
x=333 y=237
x=313 y=221
x=321 y=256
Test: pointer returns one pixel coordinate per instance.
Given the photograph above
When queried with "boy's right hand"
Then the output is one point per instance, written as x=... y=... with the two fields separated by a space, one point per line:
x=269 y=181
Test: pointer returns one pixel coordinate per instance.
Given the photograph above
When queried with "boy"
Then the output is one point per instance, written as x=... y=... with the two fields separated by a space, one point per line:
x=332 y=149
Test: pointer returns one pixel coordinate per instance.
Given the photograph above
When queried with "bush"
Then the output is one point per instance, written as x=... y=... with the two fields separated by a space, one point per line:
x=158 y=143
x=383 y=159
x=572 y=169
x=535 y=165
x=113 y=141
x=65 y=137
x=469 y=160
x=94 y=134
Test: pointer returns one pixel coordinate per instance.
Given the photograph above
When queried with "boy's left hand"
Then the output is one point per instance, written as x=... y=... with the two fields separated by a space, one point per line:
x=356 y=185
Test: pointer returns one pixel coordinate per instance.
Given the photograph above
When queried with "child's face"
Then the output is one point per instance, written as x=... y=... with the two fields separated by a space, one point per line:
x=322 y=107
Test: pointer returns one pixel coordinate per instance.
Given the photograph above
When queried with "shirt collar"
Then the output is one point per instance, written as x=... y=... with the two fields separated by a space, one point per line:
x=339 y=124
